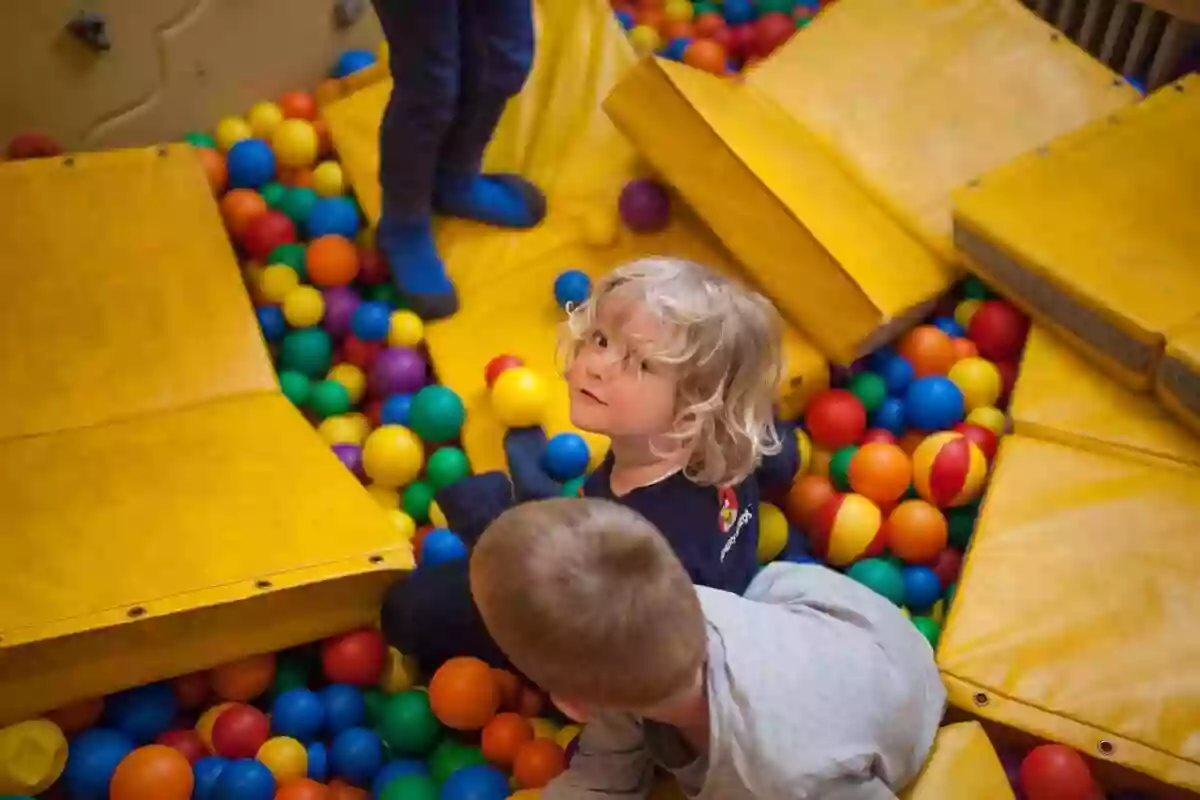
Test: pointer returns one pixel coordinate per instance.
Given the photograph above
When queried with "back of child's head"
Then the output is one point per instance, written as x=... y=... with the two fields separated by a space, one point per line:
x=723 y=342
x=588 y=600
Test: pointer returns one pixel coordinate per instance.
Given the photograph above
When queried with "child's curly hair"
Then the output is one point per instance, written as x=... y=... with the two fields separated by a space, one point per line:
x=724 y=341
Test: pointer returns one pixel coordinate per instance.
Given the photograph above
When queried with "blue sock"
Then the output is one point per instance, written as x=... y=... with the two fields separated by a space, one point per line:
x=417 y=269
x=523 y=450
x=508 y=201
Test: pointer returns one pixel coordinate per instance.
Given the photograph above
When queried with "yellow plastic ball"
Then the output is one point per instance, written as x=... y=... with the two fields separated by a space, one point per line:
x=436 y=517
x=526 y=794
x=405 y=525
x=344 y=429
x=804 y=447
x=979 y=381
x=989 y=417
x=645 y=39
x=204 y=725
x=393 y=456
x=819 y=462
x=519 y=397
x=406 y=329
x=295 y=143
x=303 y=306
x=32 y=756
x=399 y=673
x=352 y=378
x=678 y=11
x=264 y=118
x=387 y=497
x=328 y=180
x=285 y=757
x=567 y=735
x=772 y=532
x=230 y=131
x=544 y=728
x=365 y=237
x=277 y=282
x=964 y=311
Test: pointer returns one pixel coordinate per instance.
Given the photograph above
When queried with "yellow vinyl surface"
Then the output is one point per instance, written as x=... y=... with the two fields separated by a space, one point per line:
x=154 y=474
x=963 y=764
x=1061 y=396
x=1075 y=618
x=555 y=134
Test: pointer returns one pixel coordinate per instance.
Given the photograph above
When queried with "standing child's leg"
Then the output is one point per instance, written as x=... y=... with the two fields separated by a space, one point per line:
x=497 y=53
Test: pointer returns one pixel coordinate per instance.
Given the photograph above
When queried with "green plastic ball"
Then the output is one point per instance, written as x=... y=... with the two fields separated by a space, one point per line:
x=375 y=701
x=870 y=390
x=839 y=467
x=385 y=293
x=410 y=787
x=572 y=487
x=292 y=671
x=436 y=414
x=950 y=592
x=775 y=6
x=879 y=576
x=200 y=139
x=975 y=289
x=273 y=193
x=296 y=387
x=450 y=756
x=408 y=724
x=308 y=351
x=446 y=466
x=911 y=493
x=929 y=629
x=293 y=255
x=705 y=7
x=415 y=501
x=960 y=523
x=328 y=399
x=297 y=203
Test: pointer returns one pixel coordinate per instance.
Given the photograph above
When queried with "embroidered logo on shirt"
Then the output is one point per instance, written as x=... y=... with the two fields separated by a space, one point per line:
x=729 y=508
x=746 y=516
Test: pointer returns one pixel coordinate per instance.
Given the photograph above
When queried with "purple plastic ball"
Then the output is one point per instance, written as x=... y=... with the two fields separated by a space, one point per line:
x=397 y=370
x=340 y=302
x=351 y=457
x=645 y=206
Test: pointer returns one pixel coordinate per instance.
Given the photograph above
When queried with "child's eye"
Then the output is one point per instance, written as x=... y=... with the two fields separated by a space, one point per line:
x=599 y=339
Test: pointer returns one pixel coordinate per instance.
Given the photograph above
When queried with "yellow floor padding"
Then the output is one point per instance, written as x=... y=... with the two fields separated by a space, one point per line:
x=555 y=134
x=829 y=171
x=1177 y=383
x=166 y=509
x=1061 y=396
x=1095 y=235
x=1075 y=618
x=963 y=764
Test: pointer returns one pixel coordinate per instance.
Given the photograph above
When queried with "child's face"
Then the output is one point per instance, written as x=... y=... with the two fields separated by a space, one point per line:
x=616 y=390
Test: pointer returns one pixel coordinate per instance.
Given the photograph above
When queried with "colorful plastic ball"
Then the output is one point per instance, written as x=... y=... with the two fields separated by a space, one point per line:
x=371 y=321
x=519 y=397
x=273 y=193
x=83 y=714
x=897 y=375
x=298 y=713
x=989 y=417
x=153 y=772
x=344 y=707
x=933 y=403
x=332 y=260
x=406 y=329
x=503 y=737
x=328 y=179
x=333 y=215
x=307 y=351
x=297 y=203
x=318 y=761
x=949 y=469
x=571 y=288
x=297 y=105
x=302 y=789
x=33 y=754
x=205 y=773
x=929 y=628
x=397 y=370
x=846 y=529
x=214 y=169
x=771 y=31
x=303 y=307
x=200 y=140
x=328 y=398
x=476 y=782
x=350 y=377
x=417 y=500
x=878 y=435
x=204 y=725
x=975 y=289
x=142 y=713
x=436 y=414
x=999 y=330
x=806 y=497
x=186 y=741
x=870 y=389
x=565 y=456
x=272 y=322
x=839 y=467
x=497 y=366
x=230 y=131
x=285 y=757
x=961 y=524
x=393 y=456
x=396 y=409
x=645 y=39
x=772 y=532
x=947 y=566
x=676 y=46
x=922 y=588
x=356 y=755
x=276 y=282
x=705 y=55
x=250 y=163
x=295 y=143
x=835 y=418
x=928 y=349
x=409 y=725
x=295 y=387
x=983 y=438
x=891 y=416
x=446 y=466
x=1056 y=772
x=264 y=119
x=441 y=546
x=880 y=576
x=354 y=658
x=245 y=679
x=351 y=457
x=880 y=472
x=645 y=206
x=239 y=731
x=964 y=311
x=393 y=770
x=463 y=695
x=979 y=380
x=537 y=763
x=92 y=758
x=352 y=61
x=340 y=303
x=410 y=786
x=244 y=779
x=949 y=326
x=915 y=531
x=738 y=12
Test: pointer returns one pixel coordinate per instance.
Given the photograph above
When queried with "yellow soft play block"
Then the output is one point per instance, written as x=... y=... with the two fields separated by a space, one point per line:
x=1063 y=397
x=1075 y=617
x=829 y=173
x=1095 y=235
x=963 y=764
x=1178 y=380
x=555 y=134
x=165 y=508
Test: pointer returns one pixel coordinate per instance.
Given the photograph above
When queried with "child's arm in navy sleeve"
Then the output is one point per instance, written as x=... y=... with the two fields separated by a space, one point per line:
x=778 y=471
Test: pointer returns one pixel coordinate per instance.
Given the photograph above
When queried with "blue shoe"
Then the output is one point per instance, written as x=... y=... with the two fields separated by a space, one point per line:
x=417 y=270
x=507 y=201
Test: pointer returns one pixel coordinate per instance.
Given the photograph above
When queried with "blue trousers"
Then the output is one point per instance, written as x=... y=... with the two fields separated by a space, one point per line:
x=454 y=64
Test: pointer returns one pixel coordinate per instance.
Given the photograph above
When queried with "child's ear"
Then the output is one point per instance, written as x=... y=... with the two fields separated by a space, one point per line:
x=575 y=710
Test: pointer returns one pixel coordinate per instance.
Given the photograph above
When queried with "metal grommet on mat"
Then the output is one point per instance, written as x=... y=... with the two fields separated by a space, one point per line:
x=981 y=699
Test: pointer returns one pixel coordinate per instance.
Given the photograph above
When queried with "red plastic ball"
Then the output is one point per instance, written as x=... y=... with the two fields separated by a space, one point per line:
x=186 y=741
x=1008 y=380
x=496 y=367
x=33 y=145
x=359 y=353
x=984 y=438
x=999 y=330
x=878 y=435
x=266 y=232
x=1056 y=772
x=947 y=565
x=835 y=418
x=372 y=268
x=772 y=30
x=356 y=658
x=707 y=24
x=741 y=41
x=239 y=731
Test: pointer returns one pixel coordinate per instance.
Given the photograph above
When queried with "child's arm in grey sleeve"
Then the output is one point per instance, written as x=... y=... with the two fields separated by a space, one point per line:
x=611 y=763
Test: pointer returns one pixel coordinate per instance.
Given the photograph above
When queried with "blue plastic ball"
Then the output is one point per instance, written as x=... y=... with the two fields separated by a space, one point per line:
x=626 y=19
x=933 y=403
x=250 y=163
x=897 y=375
x=344 y=707
x=440 y=546
x=566 y=456
x=142 y=713
x=371 y=321
x=298 y=713
x=875 y=360
x=356 y=755
x=91 y=760
x=393 y=770
x=395 y=409
x=921 y=588
x=206 y=771
x=674 y=49
x=244 y=779
x=336 y=215
x=352 y=61
x=318 y=761
x=270 y=319
x=890 y=416
x=738 y=12
x=476 y=782
x=948 y=326
x=572 y=287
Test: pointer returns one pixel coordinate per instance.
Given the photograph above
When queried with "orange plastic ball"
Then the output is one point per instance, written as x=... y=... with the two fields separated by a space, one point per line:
x=332 y=260
x=297 y=105
x=324 y=138
x=191 y=690
x=915 y=531
x=509 y=686
x=303 y=789
x=340 y=790
x=705 y=55
x=650 y=17
x=530 y=702
x=675 y=29
x=244 y=679
x=708 y=25
x=963 y=348
x=239 y=208
x=910 y=441
x=806 y=497
x=880 y=472
x=204 y=725
x=297 y=177
x=503 y=737
x=537 y=763
x=463 y=694
x=214 y=168
x=928 y=349
x=78 y=716
x=154 y=772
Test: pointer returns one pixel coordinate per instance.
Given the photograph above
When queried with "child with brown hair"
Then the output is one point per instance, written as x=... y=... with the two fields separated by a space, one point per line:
x=809 y=686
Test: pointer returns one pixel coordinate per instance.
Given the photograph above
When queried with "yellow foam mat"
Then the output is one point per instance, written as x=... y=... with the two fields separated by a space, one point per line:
x=1063 y=397
x=1178 y=381
x=1075 y=614
x=1095 y=234
x=166 y=508
x=555 y=134
x=963 y=763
